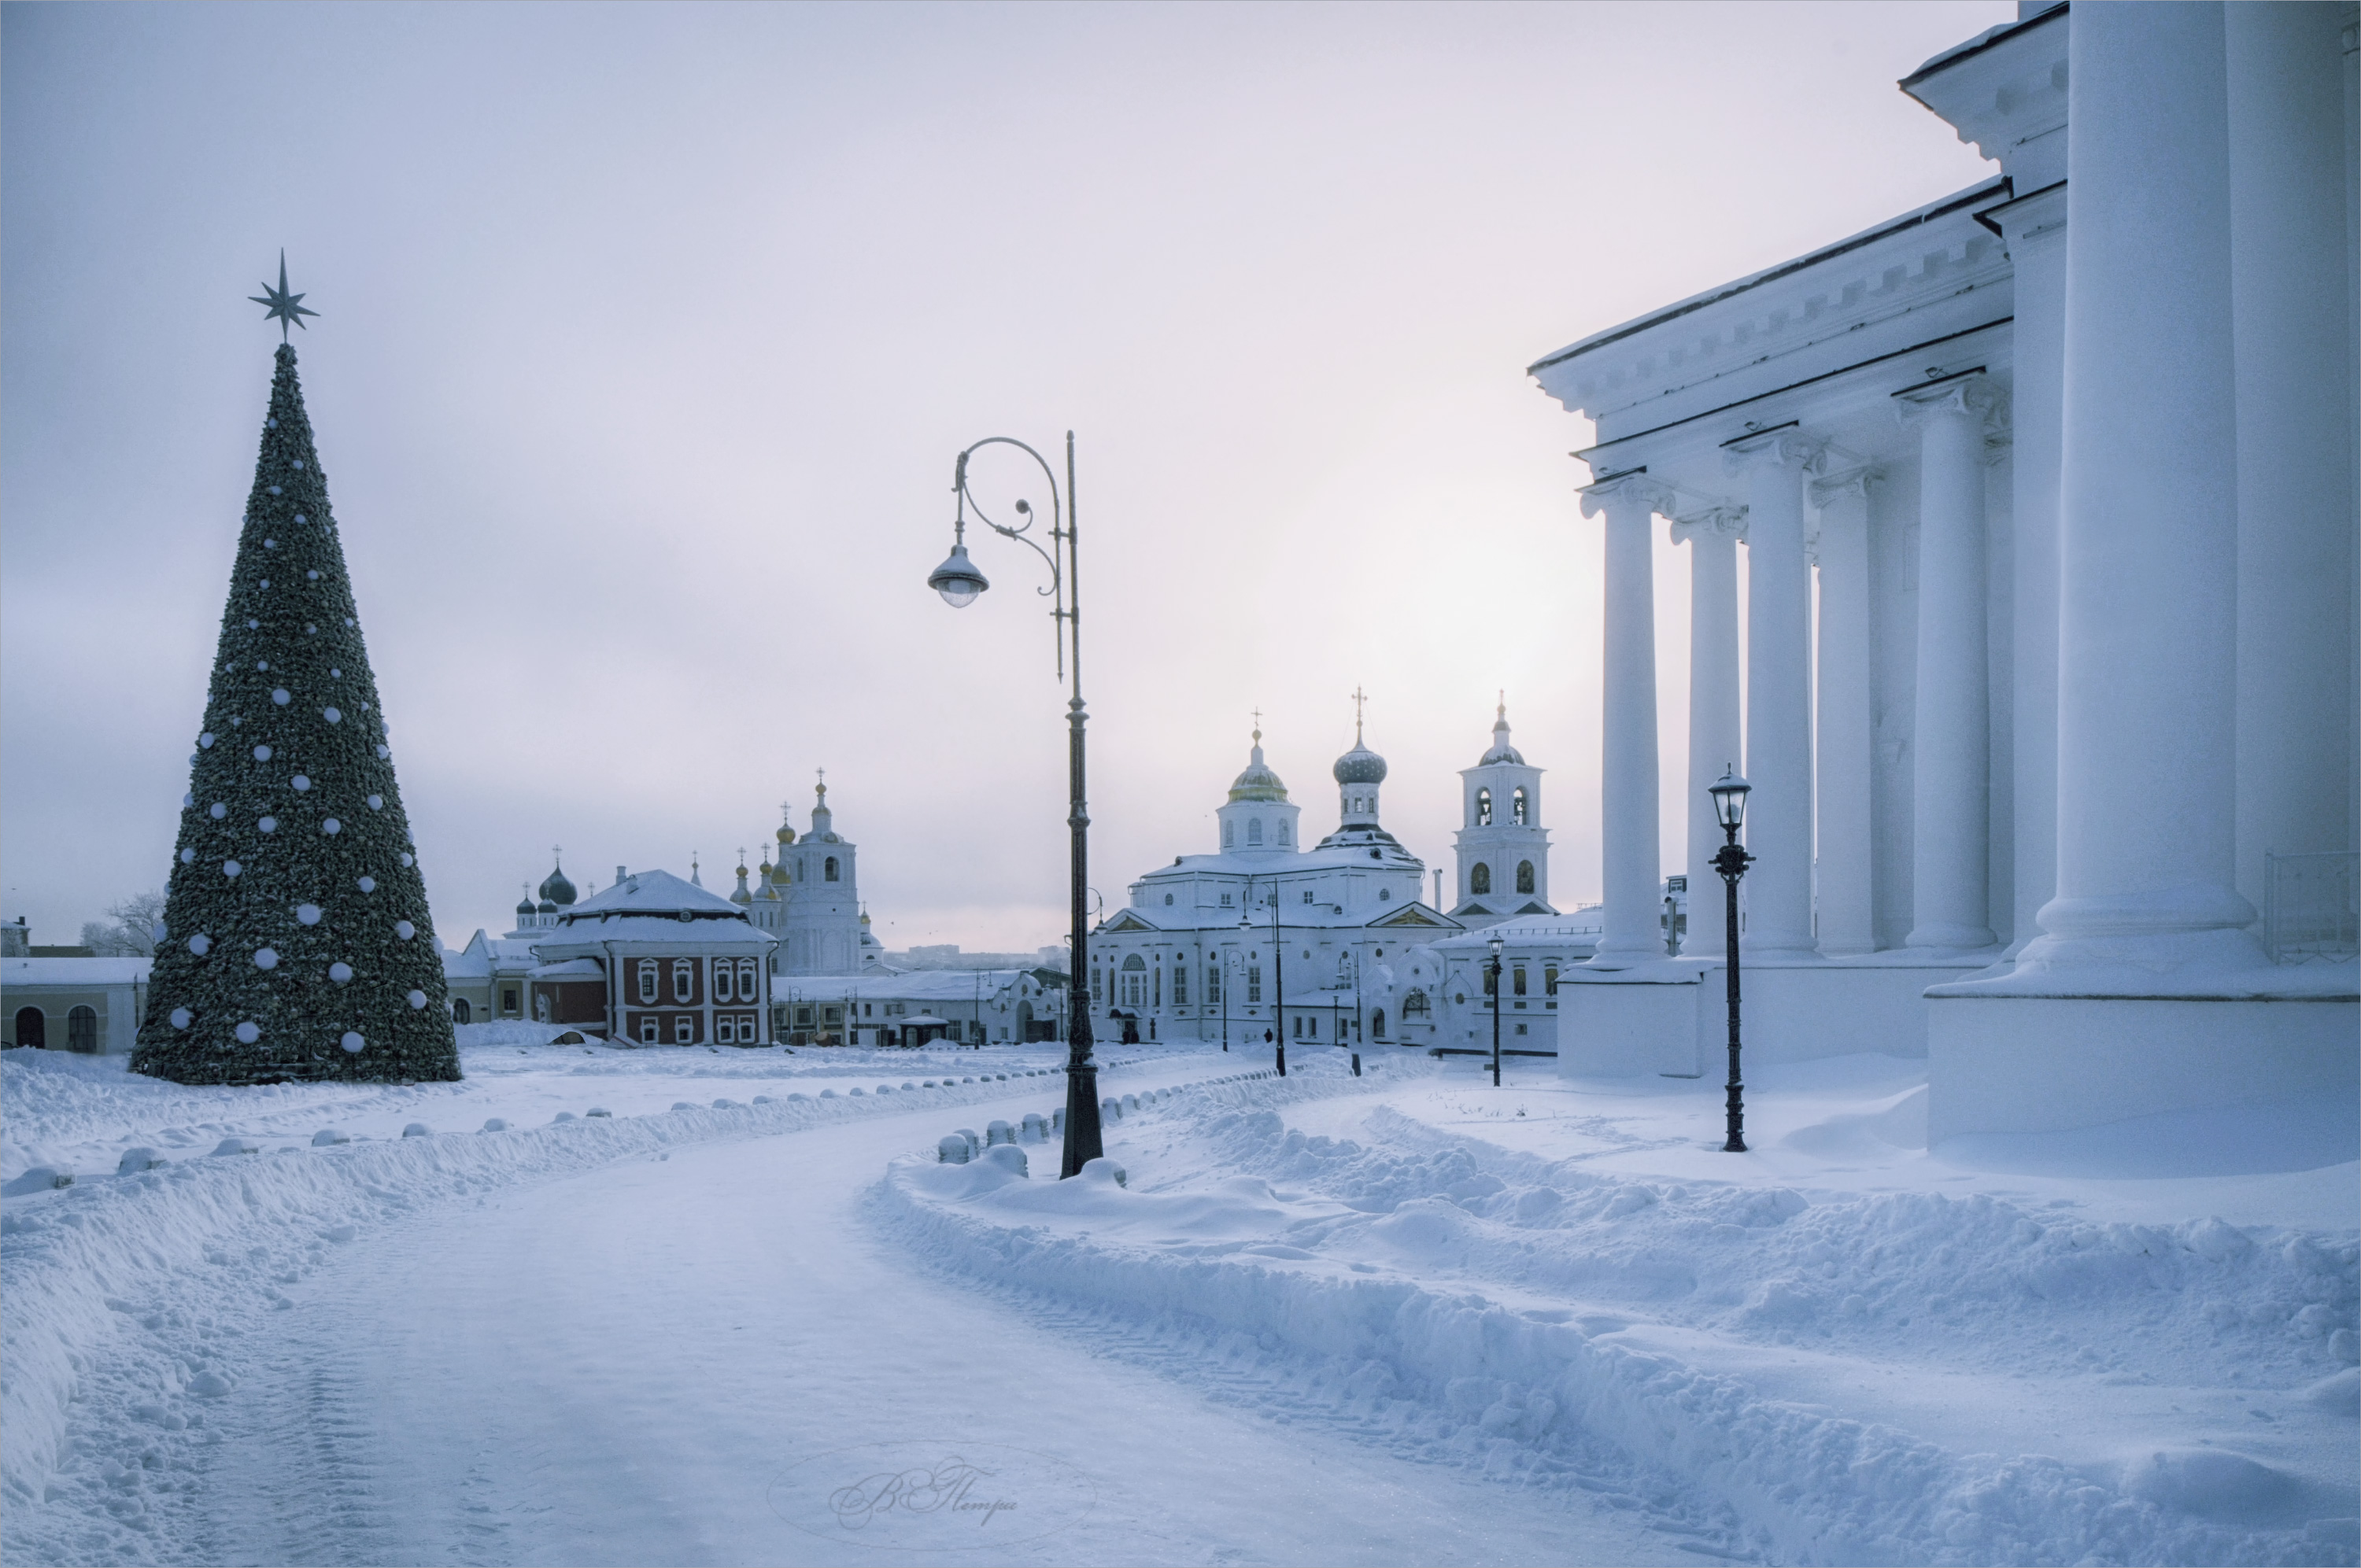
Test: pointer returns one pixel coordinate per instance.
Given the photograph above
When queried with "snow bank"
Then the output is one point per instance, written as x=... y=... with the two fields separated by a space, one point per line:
x=76 y=1258
x=1509 y=1310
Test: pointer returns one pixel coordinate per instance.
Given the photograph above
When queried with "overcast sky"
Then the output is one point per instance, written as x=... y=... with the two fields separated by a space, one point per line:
x=648 y=333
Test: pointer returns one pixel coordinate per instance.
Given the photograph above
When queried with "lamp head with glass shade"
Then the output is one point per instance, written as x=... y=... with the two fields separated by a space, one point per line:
x=1495 y=944
x=957 y=579
x=1730 y=793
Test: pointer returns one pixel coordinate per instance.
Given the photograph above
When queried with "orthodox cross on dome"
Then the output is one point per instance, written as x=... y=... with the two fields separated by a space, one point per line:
x=286 y=308
x=1359 y=698
x=1257 y=718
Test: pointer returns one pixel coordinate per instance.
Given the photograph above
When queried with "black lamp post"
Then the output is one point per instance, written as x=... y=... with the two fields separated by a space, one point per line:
x=959 y=582
x=1495 y=946
x=1730 y=810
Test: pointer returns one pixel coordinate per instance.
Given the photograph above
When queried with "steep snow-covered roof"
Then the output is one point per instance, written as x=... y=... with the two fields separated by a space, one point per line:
x=654 y=893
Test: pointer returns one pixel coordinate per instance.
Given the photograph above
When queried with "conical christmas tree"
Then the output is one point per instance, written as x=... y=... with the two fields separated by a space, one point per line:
x=296 y=942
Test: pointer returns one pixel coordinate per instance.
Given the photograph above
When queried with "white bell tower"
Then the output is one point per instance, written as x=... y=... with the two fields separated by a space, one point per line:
x=1503 y=848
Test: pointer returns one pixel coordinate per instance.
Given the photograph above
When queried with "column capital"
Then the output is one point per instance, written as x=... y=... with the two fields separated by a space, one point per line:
x=1784 y=446
x=1852 y=485
x=1729 y=523
x=1632 y=491
x=1969 y=393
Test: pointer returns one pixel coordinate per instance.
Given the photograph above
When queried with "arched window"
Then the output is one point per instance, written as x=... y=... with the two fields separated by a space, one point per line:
x=1414 y=1006
x=1491 y=981
x=684 y=979
x=725 y=983
x=1167 y=898
x=828 y=872
x=1549 y=979
x=1517 y=980
x=749 y=979
x=647 y=980
x=1253 y=832
x=1378 y=1025
x=460 y=1011
x=1524 y=876
x=1520 y=808
x=1282 y=829
x=1480 y=879
x=32 y=1027
x=1229 y=834
x=82 y=1029
x=1483 y=808
x=1135 y=981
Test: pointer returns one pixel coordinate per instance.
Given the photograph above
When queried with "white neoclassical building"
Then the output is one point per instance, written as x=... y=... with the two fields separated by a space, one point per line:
x=2046 y=500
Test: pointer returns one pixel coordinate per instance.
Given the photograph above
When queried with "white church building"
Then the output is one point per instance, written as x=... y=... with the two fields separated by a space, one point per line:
x=2045 y=495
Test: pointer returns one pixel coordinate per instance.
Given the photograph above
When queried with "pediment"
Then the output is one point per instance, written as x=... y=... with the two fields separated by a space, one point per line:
x=1412 y=914
x=1128 y=922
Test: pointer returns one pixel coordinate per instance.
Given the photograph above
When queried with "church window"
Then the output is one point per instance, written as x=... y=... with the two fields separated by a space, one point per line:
x=725 y=984
x=1480 y=879
x=1524 y=876
x=1282 y=830
x=1226 y=900
x=1415 y=1005
x=1549 y=979
x=1253 y=832
x=725 y=1031
x=1159 y=999
x=648 y=1029
x=647 y=985
x=1253 y=983
x=1385 y=893
x=1097 y=992
x=1519 y=808
x=748 y=973
x=1179 y=985
x=460 y=1011
x=1483 y=808
x=684 y=979
x=1491 y=981
x=684 y=1029
x=1517 y=980
x=1229 y=834
x=1167 y=898
x=828 y=872
x=1307 y=895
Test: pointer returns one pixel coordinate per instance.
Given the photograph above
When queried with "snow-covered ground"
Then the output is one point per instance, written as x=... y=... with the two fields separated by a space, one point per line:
x=1407 y=1317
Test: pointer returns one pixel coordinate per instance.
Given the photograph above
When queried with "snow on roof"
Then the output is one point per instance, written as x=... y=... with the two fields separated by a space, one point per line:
x=82 y=972
x=569 y=969
x=473 y=963
x=1584 y=924
x=1283 y=864
x=654 y=892
x=591 y=933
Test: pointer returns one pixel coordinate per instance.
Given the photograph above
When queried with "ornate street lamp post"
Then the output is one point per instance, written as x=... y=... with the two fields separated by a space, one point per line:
x=1495 y=978
x=1730 y=810
x=959 y=582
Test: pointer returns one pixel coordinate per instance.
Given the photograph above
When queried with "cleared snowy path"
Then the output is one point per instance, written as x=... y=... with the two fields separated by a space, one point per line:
x=621 y=1366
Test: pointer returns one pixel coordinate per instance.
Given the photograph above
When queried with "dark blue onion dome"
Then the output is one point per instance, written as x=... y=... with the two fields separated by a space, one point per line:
x=1501 y=751
x=555 y=889
x=524 y=907
x=1258 y=781
x=1360 y=765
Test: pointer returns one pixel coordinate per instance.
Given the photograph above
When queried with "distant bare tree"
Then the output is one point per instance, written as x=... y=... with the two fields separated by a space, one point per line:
x=129 y=929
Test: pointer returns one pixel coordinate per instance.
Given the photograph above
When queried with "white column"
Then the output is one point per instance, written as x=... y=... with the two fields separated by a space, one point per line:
x=2296 y=504
x=1778 y=694
x=1713 y=709
x=2036 y=229
x=1627 y=843
x=2147 y=534
x=1844 y=717
x=1951 y=759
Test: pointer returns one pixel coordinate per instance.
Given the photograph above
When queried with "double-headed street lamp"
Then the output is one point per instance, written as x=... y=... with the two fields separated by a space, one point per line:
x=1494 y=976
x=959 y=582
x=1729 y=793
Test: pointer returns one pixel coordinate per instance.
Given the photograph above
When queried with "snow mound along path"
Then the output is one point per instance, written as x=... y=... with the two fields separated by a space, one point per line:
x=1706 y=1340
x=80 y=1259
